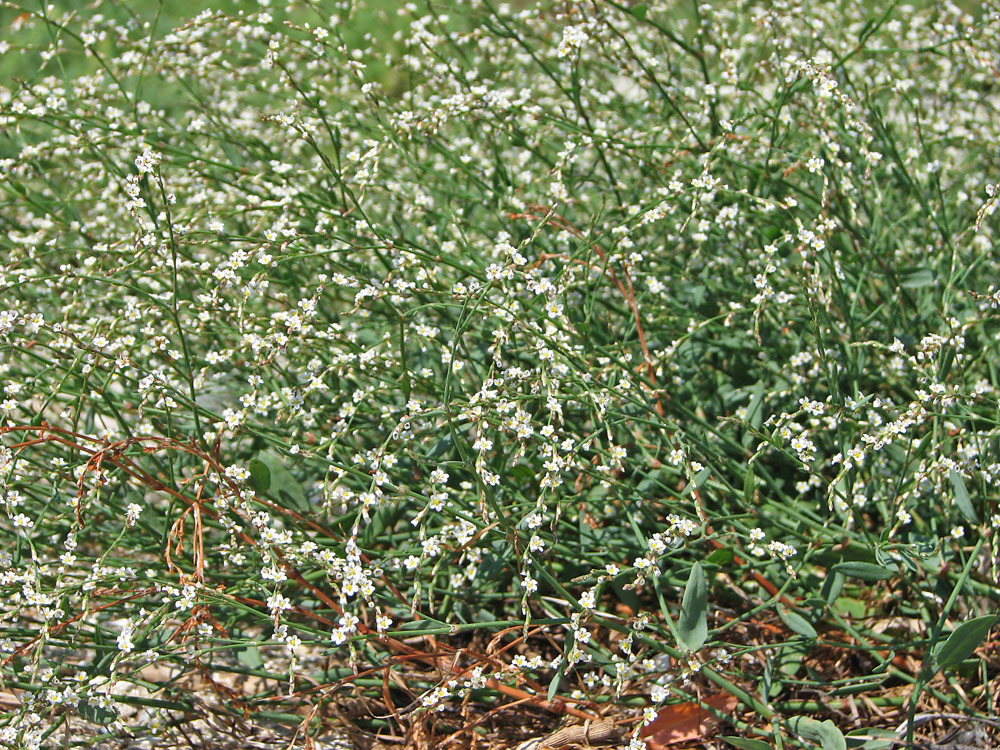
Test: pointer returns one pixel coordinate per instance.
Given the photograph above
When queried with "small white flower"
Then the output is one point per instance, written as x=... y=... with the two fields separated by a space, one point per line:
x=125 y=637
x=147 y=161
x=573 y=38
x=132 y=512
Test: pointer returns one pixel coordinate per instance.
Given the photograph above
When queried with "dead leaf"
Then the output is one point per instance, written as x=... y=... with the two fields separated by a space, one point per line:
x=685 y=722
x=10 y=700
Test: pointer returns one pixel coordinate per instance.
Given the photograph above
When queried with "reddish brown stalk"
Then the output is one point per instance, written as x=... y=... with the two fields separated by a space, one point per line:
x=59 y=627
x=627 y=290
x=113 y=453
x=757 y=576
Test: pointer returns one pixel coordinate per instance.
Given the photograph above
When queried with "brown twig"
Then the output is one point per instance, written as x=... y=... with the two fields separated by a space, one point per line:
x=113 y=453
x=549 y=216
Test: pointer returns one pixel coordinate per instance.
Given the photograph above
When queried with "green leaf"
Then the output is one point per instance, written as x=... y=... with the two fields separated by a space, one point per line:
x=947 y=360
x=823 y=733
x=444 y=445
x=863 y=34
x=95 y=714
x=233 y=155
x=701 y=477
x=850 y=607
x=871 y=739
x=692 y=627
x=721 y=557
x=863 y=570
x=260 y=476
x=755 y=409
x=754 y=414
x=749 y=482
x=963 y=641
x=520 y=475
x=649 y=483
x=639 y=10
x=746 y=744
x=281 y=484
x=250 y=656
x=556 y=680
x=628 y=597
x=788 y=661
x=490 y=568
x=917 y=278
x=832 y=587
x=962 y=499
x=796 y=623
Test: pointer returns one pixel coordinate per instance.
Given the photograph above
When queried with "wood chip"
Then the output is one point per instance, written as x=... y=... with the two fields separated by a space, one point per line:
x=588 y=734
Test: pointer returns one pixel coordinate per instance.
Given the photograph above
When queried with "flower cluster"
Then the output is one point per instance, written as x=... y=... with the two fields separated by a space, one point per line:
x=319 y=337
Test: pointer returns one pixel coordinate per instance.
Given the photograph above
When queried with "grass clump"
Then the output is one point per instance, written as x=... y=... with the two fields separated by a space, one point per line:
x=590 y=358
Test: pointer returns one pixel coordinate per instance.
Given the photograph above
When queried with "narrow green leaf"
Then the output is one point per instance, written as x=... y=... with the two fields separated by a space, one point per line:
x=863 y=570
x=832 y=587
x=917 y=278
x=442 y=446
x=260 y=476
x=692 y=627
x=755 y=409
x=556 y=679
x=649 y=483
x=963 y=641
x=746 y=744
x=639 y=10
x=871 y=739
x=962 y=499
x=947 y=360
x=749 y=483
x=823 y=733
x=796 y=623
x=755 y=413
x=863 y=34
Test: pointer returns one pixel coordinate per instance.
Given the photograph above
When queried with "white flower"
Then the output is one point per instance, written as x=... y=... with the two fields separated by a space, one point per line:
x=573 y=38
x=147 y=161
x=273 y=573
x=278 y=602
x=125 y=637
x=132 y=512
